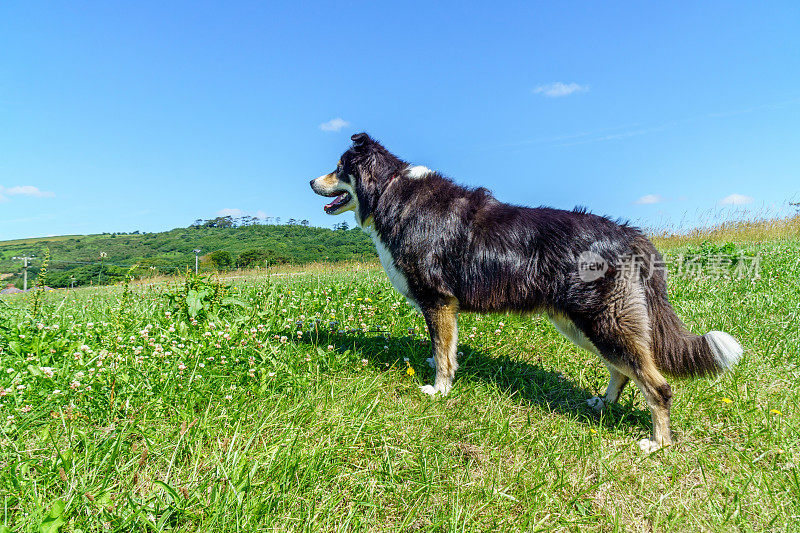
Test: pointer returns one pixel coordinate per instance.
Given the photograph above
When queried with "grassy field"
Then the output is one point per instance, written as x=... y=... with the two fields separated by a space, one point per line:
x=38 y=240
x=292 y=403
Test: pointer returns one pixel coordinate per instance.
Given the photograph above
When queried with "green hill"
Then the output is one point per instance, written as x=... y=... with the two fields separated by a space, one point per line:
x=78 y=257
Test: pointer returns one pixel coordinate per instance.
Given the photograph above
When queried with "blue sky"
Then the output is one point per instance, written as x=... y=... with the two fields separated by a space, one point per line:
x=122 y=116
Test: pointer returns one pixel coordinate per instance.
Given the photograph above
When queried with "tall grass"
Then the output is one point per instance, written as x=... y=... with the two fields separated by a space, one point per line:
x=734 y=230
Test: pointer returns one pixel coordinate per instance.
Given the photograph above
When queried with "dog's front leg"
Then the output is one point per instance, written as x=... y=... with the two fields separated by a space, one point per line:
x=442 y=320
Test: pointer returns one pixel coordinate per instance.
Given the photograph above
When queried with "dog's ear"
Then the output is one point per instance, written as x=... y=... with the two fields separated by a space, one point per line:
x=360 y=140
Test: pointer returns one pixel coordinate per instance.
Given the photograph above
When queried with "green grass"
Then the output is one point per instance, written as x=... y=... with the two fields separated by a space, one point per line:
x=297 y=411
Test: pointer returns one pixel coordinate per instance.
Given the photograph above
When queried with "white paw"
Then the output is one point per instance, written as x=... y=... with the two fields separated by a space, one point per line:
x=430 y=390
x=431 y=362
x=596 y=403
x=649 y=446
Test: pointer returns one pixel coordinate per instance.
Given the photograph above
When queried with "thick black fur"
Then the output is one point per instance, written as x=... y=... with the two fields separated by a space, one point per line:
x=450 y=248
x=453 y=241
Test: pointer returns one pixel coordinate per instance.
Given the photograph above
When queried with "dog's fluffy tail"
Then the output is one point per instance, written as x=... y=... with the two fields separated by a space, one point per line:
x=679 y=352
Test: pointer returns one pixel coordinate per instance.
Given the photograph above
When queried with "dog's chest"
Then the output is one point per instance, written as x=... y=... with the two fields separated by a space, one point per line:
x=396 y=276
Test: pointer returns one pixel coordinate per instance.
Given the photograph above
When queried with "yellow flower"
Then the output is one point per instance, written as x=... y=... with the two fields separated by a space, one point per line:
x=593 y=430
x=367 y=300
x=727 y=400
x=409 y=369
x=775 y=412
x=359 y=299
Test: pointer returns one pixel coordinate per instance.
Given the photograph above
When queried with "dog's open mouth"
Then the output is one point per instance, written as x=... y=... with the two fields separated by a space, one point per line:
x=338 y=202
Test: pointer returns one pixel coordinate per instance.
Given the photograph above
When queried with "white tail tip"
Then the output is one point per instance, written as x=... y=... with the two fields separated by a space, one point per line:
x=725 y=348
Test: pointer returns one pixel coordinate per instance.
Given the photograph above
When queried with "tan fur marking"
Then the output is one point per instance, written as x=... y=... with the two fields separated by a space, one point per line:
x=329 y=180
x=616 y=383
x=628 y=308
x=331 y=185
x=650 y=382
x=444 y=330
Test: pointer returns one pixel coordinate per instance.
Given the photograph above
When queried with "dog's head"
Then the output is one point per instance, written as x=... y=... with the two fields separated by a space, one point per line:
x=360 y=177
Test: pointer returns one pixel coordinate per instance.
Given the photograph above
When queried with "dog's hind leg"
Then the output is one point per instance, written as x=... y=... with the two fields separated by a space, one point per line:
x=658 y=395
x=640 y=368
x=618 y=380
x=616 y=383
x=442 y=320
x=622 y=333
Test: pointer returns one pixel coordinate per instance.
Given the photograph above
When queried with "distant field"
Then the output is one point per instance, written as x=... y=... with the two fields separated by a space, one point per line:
x=293 y=405
x=76 y=259
x=38 y=240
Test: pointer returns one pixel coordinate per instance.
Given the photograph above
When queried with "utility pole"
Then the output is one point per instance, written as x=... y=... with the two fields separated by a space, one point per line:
x=24 y=260
x=103 y=255
x=196 y=254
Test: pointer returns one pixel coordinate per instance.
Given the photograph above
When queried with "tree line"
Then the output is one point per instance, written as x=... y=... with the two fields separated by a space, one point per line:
x=229 y=221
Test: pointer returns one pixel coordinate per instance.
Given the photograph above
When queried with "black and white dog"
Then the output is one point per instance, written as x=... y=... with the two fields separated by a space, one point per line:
x=448 y=248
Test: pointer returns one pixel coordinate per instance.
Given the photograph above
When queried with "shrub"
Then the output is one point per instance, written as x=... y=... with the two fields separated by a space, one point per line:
x=221 y=259
x=252 y=258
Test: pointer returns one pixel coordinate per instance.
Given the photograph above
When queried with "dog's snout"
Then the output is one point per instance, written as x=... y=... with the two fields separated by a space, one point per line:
x=311 y=183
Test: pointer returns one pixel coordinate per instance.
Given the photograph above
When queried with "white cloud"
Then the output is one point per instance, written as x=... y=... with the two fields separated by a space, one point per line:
x=229 y=212
x=558 y=89
x=335 y=124
x=650 y=199
x=23 y=190
x=236 y=213
x=736 y=199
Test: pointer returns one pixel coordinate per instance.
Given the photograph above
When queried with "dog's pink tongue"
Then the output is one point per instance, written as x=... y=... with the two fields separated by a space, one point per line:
x=336 y=200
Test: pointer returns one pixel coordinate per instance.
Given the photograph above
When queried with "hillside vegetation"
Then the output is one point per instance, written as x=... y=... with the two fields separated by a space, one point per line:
x=79 y=256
